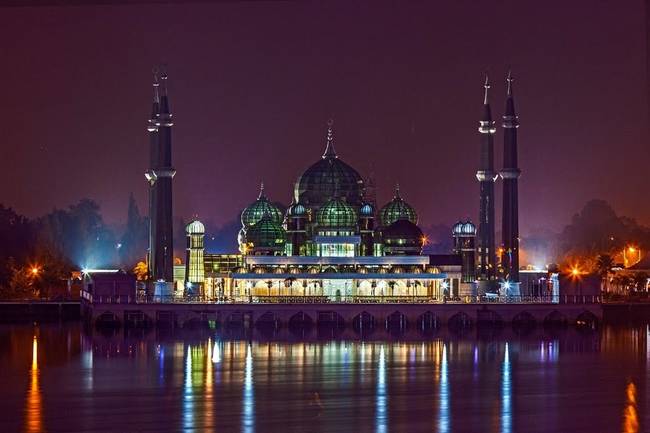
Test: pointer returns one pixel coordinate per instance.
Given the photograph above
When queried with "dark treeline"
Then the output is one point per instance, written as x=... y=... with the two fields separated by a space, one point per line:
x=37 y=255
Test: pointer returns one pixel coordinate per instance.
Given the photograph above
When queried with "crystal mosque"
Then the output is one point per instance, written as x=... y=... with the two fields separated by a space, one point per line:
x=333 y=242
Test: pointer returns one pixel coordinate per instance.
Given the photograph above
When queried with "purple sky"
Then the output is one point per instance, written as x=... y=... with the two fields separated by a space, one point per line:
x=253 y=84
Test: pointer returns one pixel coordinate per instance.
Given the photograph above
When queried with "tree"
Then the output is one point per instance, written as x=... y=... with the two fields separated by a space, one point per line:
x=134 y=242
x=604 y=264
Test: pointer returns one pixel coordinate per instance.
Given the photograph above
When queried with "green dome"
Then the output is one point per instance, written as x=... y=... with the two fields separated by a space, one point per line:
x=253 y=213
x=395 y=209
x=328 y=178
x=336 y=213
x=266 y=233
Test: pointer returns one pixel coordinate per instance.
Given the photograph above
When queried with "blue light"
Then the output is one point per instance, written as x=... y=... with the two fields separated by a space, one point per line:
x=506 y=394
x=443 y=415
x=248 y=402
x=381 y=416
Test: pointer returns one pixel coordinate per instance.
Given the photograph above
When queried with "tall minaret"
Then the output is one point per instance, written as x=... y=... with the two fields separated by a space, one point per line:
x=486 y=176
x=159 y=176
x=510 y=173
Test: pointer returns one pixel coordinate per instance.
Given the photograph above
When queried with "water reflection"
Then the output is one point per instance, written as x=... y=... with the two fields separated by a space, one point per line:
x=630 y=417
x=443 y=414
x=188 y=392
x=248 y=402
x=381 y=417
x=209 y=381
x=506 y=393
x=33 y=404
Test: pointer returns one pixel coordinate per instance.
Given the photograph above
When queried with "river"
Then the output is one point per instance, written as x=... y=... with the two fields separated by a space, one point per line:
x=62 y=378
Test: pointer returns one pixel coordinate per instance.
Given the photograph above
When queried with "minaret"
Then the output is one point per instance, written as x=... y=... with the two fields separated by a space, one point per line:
x=159 y=176
x=510 y=173
x=486 y=176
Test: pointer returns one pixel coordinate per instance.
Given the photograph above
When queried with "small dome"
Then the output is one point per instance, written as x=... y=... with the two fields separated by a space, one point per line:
x=296 y=210
x=397 y=209
x=196 y=227
x=464 y=228
x=266 y=233
x=336 y=213
x=256 y=210
x=403 y=237
x=366 y=210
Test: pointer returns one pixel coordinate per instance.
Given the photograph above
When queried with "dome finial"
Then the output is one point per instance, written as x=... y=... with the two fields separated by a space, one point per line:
x=261 y=191
x=329 y=148
x=509 y=80
x=486 y=86
x=397 y=190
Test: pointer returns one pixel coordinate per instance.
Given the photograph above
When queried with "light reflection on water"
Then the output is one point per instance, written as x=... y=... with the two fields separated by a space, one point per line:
x=506 y=394
x=33 y=403
x=206 y=381
x=382 y=416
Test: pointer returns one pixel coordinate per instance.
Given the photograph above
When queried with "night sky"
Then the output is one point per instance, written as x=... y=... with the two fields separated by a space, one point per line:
x=252 y=86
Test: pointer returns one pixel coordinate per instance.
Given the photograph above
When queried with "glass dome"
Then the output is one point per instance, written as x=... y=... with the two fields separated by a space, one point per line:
x=464 y=228
x=397 y=209
x=296 y=210
x=366 y=210
x=196 y=227
x=336 y=214
x=403 y=235
x=327 y=178
x=266 y=233
x=256 y=210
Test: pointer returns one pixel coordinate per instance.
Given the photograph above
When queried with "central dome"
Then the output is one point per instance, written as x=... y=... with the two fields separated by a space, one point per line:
x=336 y=214
x=328 y=178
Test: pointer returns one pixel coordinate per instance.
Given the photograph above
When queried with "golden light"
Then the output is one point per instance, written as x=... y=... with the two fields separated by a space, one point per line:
x=425 y=240
x=631 y=249
x=34 y=270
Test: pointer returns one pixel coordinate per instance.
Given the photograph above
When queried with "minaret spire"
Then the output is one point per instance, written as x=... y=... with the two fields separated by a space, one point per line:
x=160 y=175
x=510 y=175
x=486 y=176
x=329 y=148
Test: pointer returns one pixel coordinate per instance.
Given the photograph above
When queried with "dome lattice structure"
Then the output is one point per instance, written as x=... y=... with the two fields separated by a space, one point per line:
x=336 y=213
x=256 y=210
x=395 y=209
x=266 y=233
x=327 y=178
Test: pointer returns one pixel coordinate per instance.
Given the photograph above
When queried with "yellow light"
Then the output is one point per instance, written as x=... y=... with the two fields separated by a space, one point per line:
x=575 y=272
x=34 y=270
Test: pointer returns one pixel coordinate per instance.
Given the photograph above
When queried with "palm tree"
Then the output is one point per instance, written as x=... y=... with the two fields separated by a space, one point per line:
x=604 y=264
x=640 y=281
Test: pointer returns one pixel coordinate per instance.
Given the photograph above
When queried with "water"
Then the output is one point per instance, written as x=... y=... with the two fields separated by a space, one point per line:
x=61 y=378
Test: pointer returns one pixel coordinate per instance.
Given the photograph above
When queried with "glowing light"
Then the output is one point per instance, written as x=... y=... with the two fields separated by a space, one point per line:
x=506 y=393
x=425 y=240
x=443 y=414
x=248 y=400
x=33 y=403
x=630 y=417
x=575 y=271
x=35 y=270
x=506 y=285
x=381 y=424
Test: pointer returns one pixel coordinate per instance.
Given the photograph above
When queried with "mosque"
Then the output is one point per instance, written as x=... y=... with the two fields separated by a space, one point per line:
x=332 y=243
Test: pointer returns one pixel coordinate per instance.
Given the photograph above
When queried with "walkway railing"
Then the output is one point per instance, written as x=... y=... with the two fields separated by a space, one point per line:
x=265 y=299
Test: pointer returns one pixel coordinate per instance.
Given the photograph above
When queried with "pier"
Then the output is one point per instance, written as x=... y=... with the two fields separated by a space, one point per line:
x=356 y=315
